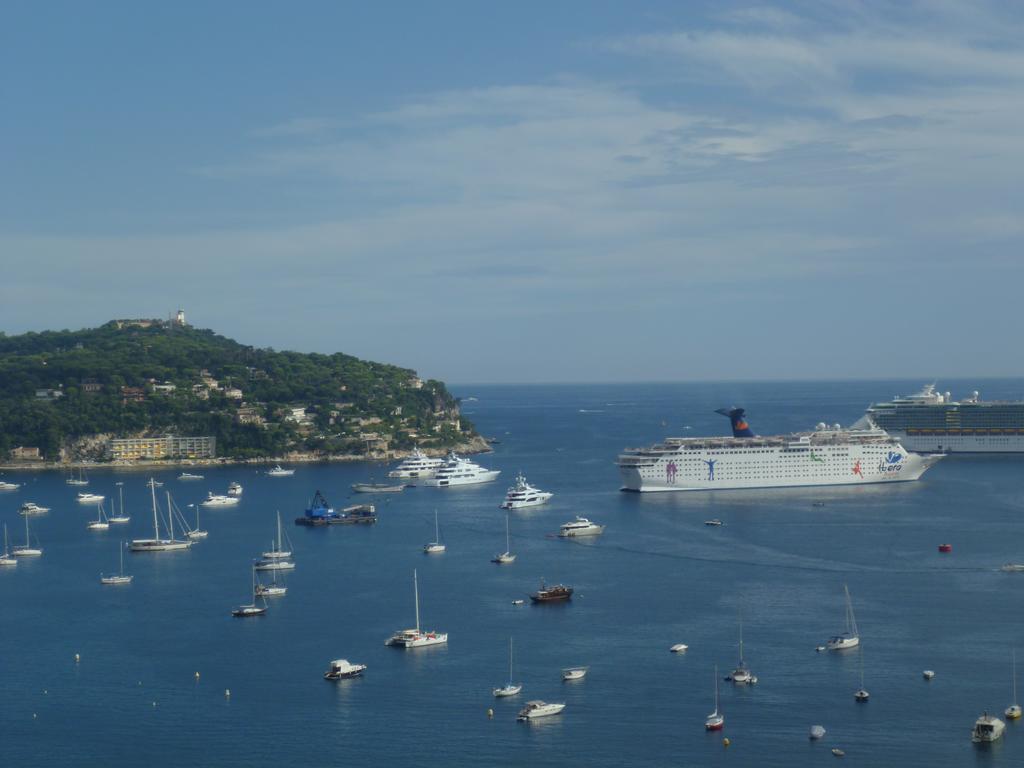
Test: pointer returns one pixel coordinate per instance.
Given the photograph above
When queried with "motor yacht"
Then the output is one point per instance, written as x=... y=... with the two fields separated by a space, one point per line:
x=573 y=673
x=537 y=709
x=459 y=471
x=552 y=594
x=581 y=526
x=189 y=476
x=342 y=669
x=679 y=648
x=279 y=471
x=215 y=500
x=522 y=494
x=89 y=498
x=987 y=728
x=5 y=486
x=417 y=465
x=377 y=487
x=416 y=637
x=816 y=732
x=31 y=508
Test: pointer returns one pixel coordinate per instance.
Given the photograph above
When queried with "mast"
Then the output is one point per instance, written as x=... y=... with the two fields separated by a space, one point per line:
x=851 y=621
x=741 y=639
x=716 y=689
x=122 y=558
x=510 y=661
x=156 y=523
x=1014 y=655
x=437 y=530
x=27 y=545
x=279 y=546
x=416 y=594
x=170 y=516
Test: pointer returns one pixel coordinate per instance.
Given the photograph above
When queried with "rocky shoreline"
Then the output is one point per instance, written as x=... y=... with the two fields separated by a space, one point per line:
x=475 y=445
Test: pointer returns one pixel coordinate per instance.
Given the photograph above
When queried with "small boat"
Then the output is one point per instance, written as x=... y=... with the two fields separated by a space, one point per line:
x=120 y=578
x=580 y=527
x=716 y=720
x=5 y=486
x=89 y=498
x=861 y=693
x=197 y=533
x=928 y=674
x=537 y=709
x=435 y=547
x=5 y=556
x=817 y=732
x=820 y=648
x=1013 y=567
x=522 y=494
x=714 y=521
x=945 y=547
x=679 y=648
x=342 y=669
x=274 y=565
x=270 y=590
x=987 y=729
x=838 y=752
x=189 y=476
x=574 y=673
x=279 y=471
x=100 y=523
x=416 y=637
x=28 y=550
x=31 y=508
x=80 y=480
x=850 y=638
x=505 y=557
x=245 y=611
x=235 y=489
x=518 y=602
x=121 y=517
x=818 y=504
x=742 y=674
x=277 y=550
x=377 y=488
x=1013 y=711
x=216 y=500
x=510 y=688
x=556 y=593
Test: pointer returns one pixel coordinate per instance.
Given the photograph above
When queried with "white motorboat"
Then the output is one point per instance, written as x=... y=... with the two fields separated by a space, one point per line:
x=215 y=500
x=100 y=523
x=573 y=673
x=538 y=709
x=89 y=498
x=245 y=611
x=274 y=565
x=742 y=674
x=850 y=638
x=417 y=465
x=928 y=674
x=342 y=669
x=5 y=486
x=459 y=471
x=436 y=546
x=378 y=487
x=120 y=518
x=581 y=526
x=189 y=476
x=277 y=550
x=987 y=728
x=522 y=494
x=816 y=732
x=1013 y=567
x=716 y=720
x=120 y=577
x=415 y=637
x=28 y=550
x=715 y=522
x=31 y=508
x=235 y=489
x=157 y=544
x=279 y=471
x=5 y=557
x=505 y=557
x=679 y=648
x=1013 y=711
x=510 y=688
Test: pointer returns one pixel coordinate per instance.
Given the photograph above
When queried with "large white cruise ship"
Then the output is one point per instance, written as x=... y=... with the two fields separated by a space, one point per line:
x=459 y=471
x=825 y=456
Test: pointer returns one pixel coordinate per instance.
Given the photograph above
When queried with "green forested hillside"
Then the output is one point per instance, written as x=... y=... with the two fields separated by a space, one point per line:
x=129 y=378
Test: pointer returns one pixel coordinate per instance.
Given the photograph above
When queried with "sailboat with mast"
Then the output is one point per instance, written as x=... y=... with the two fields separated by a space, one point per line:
x=157 y=544
x=28 y=550
x=742 y=674
x=435 y=547
x=197 y=532
x=244 y=611
x=716 y=720
x=277 y=558
x=1013 y=711
x=5 y=556
x=510 y=688
x=861 y=693
x=120 y=578
x=80 y=480
x=505 y=557
x=120 y=517
x=850 y=638
x=100 y=523
x=416 y=638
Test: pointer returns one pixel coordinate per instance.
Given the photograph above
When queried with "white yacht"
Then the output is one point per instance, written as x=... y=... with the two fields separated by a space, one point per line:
x=436 y=546
x=522 y=494
x=418 y=464
x=31 y=508
x=28 y=550
x=189 y=476
x=849 y=638
x=157 y=544
x=5 y=556
x=573 y=673
x=817 y=732
x=987 y=728
x=415 y=637
x=459 y=471
x=537 y=709
x=581 y=526
x=120 y=518
x=100 y=523
x=235 y=489
x=5 y=486
x=89 y=498
x=118 y=578
x=274 y=565
x=509 y=688
x=342 y=669
x=279 y=471
x=197 y=533
x=742 y=674
x=215 y=500
x=80 y=480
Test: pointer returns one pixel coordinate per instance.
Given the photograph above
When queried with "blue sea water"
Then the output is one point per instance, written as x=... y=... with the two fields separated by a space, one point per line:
x=658 y=576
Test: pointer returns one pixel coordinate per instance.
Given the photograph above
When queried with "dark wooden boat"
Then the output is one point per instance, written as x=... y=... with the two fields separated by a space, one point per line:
x=551 y=594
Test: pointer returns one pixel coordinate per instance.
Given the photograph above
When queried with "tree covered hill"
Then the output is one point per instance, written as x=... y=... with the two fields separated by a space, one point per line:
x=141 y=377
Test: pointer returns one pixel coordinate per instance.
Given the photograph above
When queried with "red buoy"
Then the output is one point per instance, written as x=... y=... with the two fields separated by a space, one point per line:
x=945 y=547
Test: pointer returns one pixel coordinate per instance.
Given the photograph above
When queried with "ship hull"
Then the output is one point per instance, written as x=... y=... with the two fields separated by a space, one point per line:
x=946 y=443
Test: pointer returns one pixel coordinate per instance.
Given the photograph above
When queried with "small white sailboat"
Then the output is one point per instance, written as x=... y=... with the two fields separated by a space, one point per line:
x=861 y=693
x=100 y=523
x=244 y=611
x=415 y=637
x=120 y=578
x=510 y=688
x=505 y=557
x=120 y=518
x=850 y=638
x=82 y=479
x=435 y=547
x=271 y=590
x=197 y=532
x=742 y=674
x=28 y=550
x=277 y=558
x=5 y=557
x=716 y=720
x=1013 y=711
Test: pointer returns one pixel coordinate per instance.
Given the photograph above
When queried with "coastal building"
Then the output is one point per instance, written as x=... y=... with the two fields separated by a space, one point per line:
x=49 y=394
x=297 y=414
x=166 y=447
x=132 y=394
x=26 y=453
x=163 y=389
x=250 y=414
x=233 y=393
x=91 y=385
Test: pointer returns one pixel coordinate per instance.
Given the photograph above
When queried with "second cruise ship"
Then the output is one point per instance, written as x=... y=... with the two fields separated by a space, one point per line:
x=825 y=456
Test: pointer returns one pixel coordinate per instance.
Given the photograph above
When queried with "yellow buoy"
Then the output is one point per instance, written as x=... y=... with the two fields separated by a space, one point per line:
x=726 y=742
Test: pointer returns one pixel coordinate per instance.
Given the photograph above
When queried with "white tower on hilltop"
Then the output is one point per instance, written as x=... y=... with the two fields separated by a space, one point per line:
x=179 y=319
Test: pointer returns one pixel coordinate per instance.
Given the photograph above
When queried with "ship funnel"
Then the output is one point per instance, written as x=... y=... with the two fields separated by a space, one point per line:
x=740 y=428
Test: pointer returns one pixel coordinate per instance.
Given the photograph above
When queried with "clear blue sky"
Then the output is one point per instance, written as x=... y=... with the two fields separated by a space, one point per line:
x=527 y=191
